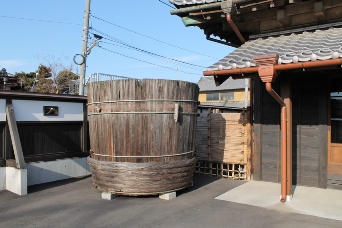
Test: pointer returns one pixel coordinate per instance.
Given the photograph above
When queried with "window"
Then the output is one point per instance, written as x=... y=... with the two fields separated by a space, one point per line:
x=336 y=117
x=228 y=96
x=336 y=110
x=212 y=96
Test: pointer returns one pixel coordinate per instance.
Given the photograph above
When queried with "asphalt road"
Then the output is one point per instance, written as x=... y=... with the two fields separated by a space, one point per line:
x=74 y=203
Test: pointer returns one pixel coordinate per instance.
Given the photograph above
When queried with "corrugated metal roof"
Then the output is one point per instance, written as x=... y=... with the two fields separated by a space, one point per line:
x=192 y=2
x=208 y=84
x=304 y=47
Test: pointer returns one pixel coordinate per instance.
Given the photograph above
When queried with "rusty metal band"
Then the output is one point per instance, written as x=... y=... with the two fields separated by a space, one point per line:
x=150 y=156
x=183 y=113
x=118 y=101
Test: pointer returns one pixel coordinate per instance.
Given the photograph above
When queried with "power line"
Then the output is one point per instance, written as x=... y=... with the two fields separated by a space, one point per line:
x=155 y=55
x=39 y=20
x=110 y=38
x=147 y=61
x=184 y=49
x=167 y=4
x=170 y=60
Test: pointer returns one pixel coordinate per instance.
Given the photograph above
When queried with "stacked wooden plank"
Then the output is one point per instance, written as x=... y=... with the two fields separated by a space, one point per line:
x=223 y=137
x=228 y=138
x=202 y=135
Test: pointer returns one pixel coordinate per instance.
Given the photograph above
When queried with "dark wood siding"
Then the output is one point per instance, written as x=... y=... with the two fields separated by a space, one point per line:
x=257 y=126
x=270 y=134
x=47 y=138
x=266 y=133
x=43 y=141
x=309 y=129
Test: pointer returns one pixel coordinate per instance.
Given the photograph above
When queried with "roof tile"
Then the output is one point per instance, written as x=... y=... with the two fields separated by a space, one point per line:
x=208 y=84
x=308 y=46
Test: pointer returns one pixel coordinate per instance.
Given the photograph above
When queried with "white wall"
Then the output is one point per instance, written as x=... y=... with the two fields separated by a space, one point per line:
x=43 y=172
x=28 y=110
x=16 y=180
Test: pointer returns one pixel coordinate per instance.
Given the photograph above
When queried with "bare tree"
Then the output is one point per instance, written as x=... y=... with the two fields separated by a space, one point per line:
x=54 y=76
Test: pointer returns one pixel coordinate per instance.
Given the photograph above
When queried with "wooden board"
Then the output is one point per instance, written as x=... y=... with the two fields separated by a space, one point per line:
x=223 y=137
x=12 y=124
x=133 y=120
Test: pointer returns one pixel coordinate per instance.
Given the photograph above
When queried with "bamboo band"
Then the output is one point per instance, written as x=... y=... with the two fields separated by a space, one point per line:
x=150 y=156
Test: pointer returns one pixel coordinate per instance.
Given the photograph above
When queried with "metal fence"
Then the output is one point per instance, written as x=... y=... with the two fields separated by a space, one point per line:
x=97 y=77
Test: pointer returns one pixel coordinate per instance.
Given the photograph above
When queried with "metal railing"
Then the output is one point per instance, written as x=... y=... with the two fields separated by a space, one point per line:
x=97 y=77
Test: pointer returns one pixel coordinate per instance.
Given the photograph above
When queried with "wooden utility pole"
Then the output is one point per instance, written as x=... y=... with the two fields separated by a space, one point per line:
x=84 y=47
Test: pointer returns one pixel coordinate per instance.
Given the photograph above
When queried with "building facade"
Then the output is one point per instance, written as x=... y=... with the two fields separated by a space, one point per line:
x=292 y=51
x=230 y=96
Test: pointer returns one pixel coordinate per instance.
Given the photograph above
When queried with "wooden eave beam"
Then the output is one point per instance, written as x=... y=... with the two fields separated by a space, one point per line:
x=205 y=12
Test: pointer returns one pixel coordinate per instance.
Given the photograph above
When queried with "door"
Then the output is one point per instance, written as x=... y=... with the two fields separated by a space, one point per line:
x=335 y=130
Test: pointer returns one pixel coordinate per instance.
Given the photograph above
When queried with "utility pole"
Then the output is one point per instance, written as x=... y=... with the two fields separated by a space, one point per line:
x=84 y=47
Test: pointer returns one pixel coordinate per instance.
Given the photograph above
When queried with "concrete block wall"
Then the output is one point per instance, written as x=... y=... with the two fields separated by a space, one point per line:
x=17 y=180
x=43 y=172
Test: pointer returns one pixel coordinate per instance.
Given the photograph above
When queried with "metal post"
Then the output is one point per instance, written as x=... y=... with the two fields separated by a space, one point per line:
x=246 y=92
x=84 y=47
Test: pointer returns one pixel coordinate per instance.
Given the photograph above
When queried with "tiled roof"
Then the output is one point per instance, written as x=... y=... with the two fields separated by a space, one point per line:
x=304 y=47
x=232 y=105
x=208 y=84
x=192 y=2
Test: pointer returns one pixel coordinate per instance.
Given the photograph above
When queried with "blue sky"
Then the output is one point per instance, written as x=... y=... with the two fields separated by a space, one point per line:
x=27 y=42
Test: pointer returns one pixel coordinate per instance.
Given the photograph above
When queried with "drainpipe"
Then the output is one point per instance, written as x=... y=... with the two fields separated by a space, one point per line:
x=283 y=127
x=246 y=92
x=267 y=74
x=235 y=29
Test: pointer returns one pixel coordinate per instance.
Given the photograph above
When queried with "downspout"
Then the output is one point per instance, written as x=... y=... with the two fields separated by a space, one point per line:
x=267 y=74
x=246 y=92
x=283 y=127
x=235 y=29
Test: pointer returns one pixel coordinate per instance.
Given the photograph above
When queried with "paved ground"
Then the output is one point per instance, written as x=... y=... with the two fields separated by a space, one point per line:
x=325 y=203
x=74 y=203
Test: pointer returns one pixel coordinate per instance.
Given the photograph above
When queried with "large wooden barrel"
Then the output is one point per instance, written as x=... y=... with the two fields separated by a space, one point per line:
x=142 y=135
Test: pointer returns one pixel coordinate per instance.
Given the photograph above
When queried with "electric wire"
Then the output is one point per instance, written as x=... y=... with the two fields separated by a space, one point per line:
x=147 y=61
x=39 y=20
x=113 y=39
x=190 y=65
x=52 y=34
x=164 y=59
x=184 y=49
x=167 y=4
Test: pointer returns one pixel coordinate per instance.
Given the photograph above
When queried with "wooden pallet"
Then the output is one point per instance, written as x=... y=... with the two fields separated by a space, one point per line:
x=224 y=170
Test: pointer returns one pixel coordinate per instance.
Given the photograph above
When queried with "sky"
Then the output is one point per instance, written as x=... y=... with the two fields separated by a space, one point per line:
x=141 y=38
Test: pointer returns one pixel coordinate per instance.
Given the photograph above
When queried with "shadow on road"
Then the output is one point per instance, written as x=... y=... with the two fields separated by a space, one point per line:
x=45 y=186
